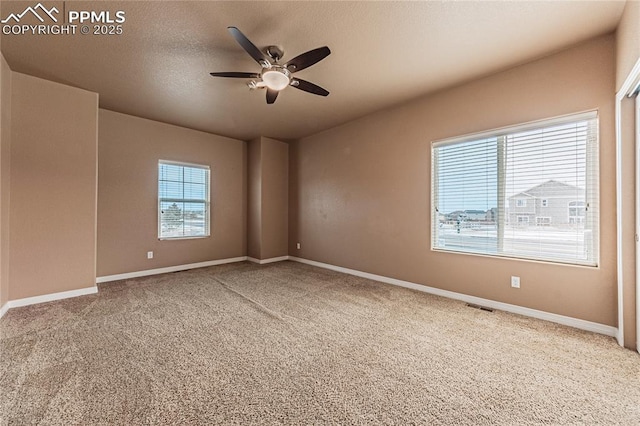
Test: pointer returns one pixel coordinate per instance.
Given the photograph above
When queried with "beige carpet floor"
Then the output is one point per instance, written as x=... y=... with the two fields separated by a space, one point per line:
x=288 y=343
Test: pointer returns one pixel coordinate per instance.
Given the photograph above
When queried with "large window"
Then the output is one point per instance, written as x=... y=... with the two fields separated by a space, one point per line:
x=183 y=200
x=537 y=183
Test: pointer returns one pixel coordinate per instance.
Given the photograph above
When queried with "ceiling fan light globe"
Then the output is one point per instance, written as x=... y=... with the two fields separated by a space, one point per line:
x=275 y=80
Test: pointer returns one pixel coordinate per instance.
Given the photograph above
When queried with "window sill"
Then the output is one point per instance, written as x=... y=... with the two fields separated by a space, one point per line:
x=585 y=264
x=199 y=237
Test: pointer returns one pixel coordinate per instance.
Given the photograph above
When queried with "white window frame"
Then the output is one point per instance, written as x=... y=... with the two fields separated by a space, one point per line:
x=591 y=202
x=521 y=202
x=574 y=205
x=546 y=221
x=207 y=201
x=544 y=202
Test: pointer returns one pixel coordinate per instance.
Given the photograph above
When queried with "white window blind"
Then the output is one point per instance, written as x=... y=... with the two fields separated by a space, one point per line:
x=528 y=191
x=183 y=200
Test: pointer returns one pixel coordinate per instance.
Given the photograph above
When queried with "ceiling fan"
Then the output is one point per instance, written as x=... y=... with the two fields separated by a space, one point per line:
x=274 y=76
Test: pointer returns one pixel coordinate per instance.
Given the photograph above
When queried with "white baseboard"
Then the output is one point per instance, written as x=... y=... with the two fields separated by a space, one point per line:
x=168 y=269
x=547 y=316
x=534 y=313
x=270 y=260
x=619 y=336
x=48 y=298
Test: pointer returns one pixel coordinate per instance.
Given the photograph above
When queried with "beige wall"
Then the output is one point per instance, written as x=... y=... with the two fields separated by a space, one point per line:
x=627 y=54
x=53 y=187
x=5 y=176
x=275 y=198
x=268 y=216
x=628 y=222
x=129 y=150
x=361 y=197
x=254 y=199
x=627 y=41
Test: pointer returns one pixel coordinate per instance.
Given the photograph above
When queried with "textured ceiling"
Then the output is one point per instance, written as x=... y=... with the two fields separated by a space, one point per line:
x=383 y=53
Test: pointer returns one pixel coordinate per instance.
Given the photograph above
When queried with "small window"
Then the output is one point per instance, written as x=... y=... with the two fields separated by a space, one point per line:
x=543 y=221
x=523 y=220
x=577 y=209
x=545 y=202
x=521 y=202
x=183 y=200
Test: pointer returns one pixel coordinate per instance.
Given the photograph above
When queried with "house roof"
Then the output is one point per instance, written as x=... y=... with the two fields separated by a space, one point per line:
x=522 y=195
x=549 y=189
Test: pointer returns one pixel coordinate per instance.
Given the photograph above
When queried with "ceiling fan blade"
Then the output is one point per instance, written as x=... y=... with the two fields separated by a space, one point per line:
x=271 y=95
x=236 y=74
x=307 y=59
x=250 y=48
x=298 y=83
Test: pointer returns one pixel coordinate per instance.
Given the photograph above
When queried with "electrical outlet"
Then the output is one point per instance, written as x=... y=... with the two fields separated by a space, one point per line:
x=515 y=282
x=298 y=246
x=149 y=255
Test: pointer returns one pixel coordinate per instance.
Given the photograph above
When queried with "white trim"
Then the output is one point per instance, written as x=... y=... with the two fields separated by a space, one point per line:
x=636 y=156
x=50 y=297
x=637 y=195
x=168 y=269
x=619 y=276
x=629 y=84
x=270 y=260
x=534 y=313
x=634 y=86
x=4 y=309
x=183 y=163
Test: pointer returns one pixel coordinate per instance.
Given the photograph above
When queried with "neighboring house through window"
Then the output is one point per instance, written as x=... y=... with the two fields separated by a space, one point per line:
x=536 y=183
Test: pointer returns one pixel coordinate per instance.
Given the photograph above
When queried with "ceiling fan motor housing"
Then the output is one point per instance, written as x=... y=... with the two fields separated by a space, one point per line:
x=275 y=52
